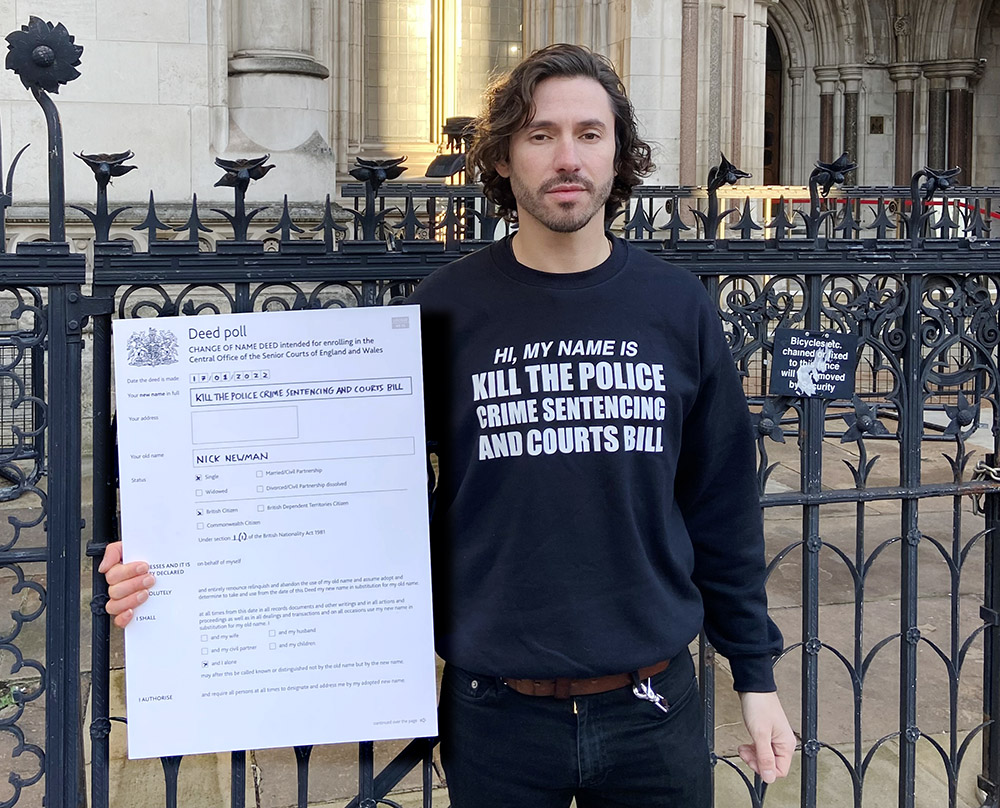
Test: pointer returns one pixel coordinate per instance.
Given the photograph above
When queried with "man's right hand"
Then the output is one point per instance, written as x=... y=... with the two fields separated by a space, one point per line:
x=128 y=584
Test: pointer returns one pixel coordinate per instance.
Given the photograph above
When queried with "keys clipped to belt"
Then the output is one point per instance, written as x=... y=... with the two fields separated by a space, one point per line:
x=644 y=692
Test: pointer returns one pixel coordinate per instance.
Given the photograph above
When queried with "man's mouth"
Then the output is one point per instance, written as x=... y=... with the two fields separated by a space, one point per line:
x=566 y=193
x=564 y=188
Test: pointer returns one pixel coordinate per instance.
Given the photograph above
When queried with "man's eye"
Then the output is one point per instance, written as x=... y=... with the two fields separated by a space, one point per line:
x=591 y=136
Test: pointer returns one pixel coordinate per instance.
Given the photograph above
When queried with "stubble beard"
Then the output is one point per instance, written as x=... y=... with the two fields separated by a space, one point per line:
x=566 y=217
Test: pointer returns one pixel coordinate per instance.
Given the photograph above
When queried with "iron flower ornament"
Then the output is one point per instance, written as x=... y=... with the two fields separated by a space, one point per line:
x=938 y=181
x=375 y=172
x=863 y=421
x=770 y=428
x=725 y=174
x=826 y=175
x=768 y=420
x=240 y=172
x=43 y=55
x=106 y=166
x=963 y=417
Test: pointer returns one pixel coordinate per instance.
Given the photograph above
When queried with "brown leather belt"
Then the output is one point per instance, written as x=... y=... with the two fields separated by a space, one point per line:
x=563 y=688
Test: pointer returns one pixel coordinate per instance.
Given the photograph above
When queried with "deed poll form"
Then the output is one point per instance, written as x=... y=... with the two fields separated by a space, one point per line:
x=273 y=474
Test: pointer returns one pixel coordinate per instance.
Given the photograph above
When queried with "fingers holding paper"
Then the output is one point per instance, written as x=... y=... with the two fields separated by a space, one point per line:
x=128 y=584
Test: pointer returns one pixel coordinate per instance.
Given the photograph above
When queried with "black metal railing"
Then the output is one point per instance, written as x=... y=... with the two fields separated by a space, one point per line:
x=926 y=323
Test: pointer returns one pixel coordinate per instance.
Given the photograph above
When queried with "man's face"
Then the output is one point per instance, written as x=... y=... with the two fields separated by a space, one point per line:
x=561 y=163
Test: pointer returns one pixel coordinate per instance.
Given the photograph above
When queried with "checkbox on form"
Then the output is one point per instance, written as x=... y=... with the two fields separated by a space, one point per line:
x=260 y=473
x=260 y=489
x=260 y=507
x=273 y=646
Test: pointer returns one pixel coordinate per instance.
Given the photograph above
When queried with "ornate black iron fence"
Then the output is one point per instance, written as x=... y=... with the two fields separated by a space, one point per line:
x=40 y=547
x=883 y=576
x=926 y=320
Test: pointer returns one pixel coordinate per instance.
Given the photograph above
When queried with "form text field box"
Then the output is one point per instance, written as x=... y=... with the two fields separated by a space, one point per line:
x=244 y=425
x=306 y=452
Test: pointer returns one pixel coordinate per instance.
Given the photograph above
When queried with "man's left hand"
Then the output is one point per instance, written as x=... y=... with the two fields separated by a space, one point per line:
x=770 y=754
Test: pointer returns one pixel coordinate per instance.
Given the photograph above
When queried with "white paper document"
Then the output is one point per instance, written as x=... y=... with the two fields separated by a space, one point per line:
x=273 y=474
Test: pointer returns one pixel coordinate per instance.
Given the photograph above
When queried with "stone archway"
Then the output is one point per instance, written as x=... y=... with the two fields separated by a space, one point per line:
x=790 y=47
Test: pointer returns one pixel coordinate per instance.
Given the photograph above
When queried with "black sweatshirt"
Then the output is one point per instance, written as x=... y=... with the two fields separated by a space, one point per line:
x=597 y=498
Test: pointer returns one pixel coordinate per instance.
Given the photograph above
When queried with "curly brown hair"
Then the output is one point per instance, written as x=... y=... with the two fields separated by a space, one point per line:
x=510 y=106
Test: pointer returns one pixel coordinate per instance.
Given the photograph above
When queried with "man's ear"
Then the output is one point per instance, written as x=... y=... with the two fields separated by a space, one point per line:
x=502 y=167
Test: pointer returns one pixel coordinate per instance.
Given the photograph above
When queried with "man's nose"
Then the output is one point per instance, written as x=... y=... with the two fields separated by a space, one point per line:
x=567 y=155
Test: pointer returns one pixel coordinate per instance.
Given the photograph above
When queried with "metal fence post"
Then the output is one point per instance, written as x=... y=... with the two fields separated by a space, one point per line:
x=989 y=780
x=63 y=748
x=911 y=425
x=811 y=453
x=104 y=530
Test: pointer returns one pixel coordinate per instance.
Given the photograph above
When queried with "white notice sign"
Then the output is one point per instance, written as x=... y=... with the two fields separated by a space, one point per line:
x=273 y=474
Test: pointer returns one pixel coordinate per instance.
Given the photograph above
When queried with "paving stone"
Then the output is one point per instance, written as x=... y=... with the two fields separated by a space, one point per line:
x=21 y=599
x=405 y=799
x=885 y=471
x=203 y=779
x=883 y=577
x=837 y=720
x=22 y=523
x=16 y=756
x=880 y=788
x=333 y=773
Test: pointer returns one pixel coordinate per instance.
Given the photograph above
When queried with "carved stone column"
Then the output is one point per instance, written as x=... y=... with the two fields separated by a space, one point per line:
x=689 y=93
x=736 y=120
x=794 y=138
x=277 y=95
x=274 y=36
x=959 y=151
x=827 y=78
x=937 y=113
x=850 y=75
x=964 y=75
x=715 y=84
x=904 y=75
x=346 y=92
x=583 y=23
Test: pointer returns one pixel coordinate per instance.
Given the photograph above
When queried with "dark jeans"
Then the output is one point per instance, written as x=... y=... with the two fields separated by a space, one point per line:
x=504 y=750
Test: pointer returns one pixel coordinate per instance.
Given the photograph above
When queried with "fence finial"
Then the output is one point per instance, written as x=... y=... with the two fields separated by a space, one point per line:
x=45 y=56
x=725 y=173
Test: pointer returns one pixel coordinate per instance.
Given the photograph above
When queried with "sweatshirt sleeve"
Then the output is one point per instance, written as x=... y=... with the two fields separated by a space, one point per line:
x=434 y=350
x=717 y=493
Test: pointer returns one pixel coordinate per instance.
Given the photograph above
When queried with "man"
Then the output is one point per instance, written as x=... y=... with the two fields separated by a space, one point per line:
x=596 y=502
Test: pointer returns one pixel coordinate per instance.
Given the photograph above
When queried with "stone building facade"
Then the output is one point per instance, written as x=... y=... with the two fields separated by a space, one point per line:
x=774 y=84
